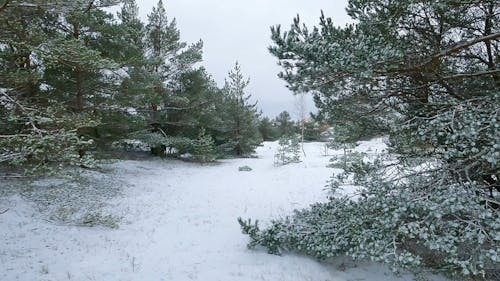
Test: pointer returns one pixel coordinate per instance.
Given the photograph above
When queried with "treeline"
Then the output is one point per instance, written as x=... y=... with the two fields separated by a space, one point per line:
x=311 y=128
x=75 y=80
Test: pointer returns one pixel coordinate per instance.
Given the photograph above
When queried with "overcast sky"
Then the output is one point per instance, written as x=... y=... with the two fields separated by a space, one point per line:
x=239 y=30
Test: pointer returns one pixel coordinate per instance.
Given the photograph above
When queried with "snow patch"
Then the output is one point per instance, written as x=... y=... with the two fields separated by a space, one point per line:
x=179 y=223
x=45 y=87
x=5 y=100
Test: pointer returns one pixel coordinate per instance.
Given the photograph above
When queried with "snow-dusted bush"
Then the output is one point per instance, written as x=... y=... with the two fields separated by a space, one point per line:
x=44 y=139
x=288 y=150
x=45 y=151
x=404 y=216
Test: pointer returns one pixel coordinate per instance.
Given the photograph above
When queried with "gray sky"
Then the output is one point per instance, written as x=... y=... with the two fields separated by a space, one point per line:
x=239 y=30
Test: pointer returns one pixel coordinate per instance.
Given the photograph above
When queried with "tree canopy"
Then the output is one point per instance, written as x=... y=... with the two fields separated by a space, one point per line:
x=76 y=80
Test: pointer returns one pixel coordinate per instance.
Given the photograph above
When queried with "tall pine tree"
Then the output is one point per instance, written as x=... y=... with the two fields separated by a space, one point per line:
x=168 y=58
x=241 y=116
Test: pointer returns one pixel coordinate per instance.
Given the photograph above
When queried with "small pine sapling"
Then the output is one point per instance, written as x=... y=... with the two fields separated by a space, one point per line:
x=288 y=150
x=204 y=148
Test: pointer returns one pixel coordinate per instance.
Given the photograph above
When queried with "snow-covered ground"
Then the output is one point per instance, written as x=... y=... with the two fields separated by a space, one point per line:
x=179 y=223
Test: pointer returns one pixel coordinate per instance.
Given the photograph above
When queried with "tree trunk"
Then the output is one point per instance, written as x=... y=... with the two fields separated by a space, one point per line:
x=80 y=103
x=80 y=96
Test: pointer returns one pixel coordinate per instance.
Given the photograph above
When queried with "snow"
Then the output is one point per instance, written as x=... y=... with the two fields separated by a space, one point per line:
x=5 y=100
x=131 y=111
x=45 y=87
x=377 y=145
x=179 y=223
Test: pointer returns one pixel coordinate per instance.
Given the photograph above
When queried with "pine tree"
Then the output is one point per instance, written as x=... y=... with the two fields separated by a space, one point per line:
x=241 y=117
x=285 y=124
x=289 y=150
x=44 y=114
x=167 y=59
x=427 y=71
x=312 y=131
x=129 y=13
x=194 y=105
x=133 y=33
x=168 y=56
x=204 y=148
x=267 y=129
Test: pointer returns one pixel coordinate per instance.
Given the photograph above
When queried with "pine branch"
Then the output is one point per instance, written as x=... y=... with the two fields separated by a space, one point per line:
x=186 y=108
x=12 y=100
x=455 y=49
x=5 y=5
x=10 y=156
x=468 y=75
x=89 y=6
x=467 y=44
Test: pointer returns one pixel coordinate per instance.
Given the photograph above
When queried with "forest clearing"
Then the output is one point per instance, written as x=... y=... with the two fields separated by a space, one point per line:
x=130 y=150
x=177 y=221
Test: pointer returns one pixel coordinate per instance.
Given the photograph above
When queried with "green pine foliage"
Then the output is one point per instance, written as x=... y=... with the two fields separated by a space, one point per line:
x=204 y=148
x=312 y=131
x=426 y=74
x=50 y=74
x=285 y=125
x=391 y=221
x=289 y=150
x=267 y=129
x=43 y=141
x=75 y=80
x=240 y=121
x=342 y=139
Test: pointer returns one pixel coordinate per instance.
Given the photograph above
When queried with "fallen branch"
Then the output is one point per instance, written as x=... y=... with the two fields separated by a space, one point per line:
x=4 y=211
